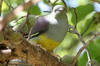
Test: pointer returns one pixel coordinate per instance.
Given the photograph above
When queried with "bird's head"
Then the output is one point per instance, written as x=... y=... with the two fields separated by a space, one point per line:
x=58 y=9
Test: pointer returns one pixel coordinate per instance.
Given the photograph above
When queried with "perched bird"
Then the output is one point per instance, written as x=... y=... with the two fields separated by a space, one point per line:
x=51 y=28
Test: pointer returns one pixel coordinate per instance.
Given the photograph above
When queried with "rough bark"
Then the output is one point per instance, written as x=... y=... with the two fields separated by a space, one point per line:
x=31 y=53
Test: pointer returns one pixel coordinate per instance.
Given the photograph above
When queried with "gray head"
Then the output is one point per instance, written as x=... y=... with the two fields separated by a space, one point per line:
x=58 y=9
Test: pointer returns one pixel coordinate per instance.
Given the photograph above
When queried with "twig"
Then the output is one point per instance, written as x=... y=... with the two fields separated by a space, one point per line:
x=76 y=18
x=29 y=35
x=78 y=54
x=93 y=37
x=83 y=42
x=82 y=48
x=19 y=18
x=14 y=12
x=96 y=1
x=50 y=4
x=25 y=23
x=47 y=11
x=65 y=5
x=1 y=7
x=55 y=2
x=9 y=5
x=88 y=26
x=27 y=19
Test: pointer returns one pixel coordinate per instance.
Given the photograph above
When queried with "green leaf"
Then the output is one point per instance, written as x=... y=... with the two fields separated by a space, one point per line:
x=82 y=12
x=92 y=26
x=94 y=51
x=83 y=59
x=35 y=10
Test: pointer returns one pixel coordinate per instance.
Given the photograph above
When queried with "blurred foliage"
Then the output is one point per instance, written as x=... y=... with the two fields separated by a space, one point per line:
x=71 y=44
x=82 y=12
x=35 y=10
x=94 y=48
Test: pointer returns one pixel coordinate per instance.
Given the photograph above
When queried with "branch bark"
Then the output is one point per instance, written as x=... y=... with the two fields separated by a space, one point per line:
x=31 y=53
x=85 y=46
x=83 y=42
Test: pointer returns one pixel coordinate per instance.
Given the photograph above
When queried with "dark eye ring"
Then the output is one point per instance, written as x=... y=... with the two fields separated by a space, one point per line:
x=60 y=10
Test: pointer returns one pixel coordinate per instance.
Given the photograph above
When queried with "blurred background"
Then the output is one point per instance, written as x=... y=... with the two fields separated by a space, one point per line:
x=85 y=12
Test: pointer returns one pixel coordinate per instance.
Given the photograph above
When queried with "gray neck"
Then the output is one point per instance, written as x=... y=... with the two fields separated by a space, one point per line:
x=59 y=30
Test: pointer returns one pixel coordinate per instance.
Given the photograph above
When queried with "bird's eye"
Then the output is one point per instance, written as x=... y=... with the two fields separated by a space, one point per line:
x=59 y=10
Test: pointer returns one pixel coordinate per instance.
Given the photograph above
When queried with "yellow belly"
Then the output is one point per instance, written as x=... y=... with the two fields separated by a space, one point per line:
x=46 y=42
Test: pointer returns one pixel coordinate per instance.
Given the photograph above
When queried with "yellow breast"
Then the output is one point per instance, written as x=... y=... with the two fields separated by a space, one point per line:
x=47 y=42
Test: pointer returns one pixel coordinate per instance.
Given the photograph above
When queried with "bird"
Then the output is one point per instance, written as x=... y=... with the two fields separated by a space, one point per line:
x=50 y=30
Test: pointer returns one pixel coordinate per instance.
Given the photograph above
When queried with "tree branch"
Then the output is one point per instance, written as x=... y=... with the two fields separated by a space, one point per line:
x=82 y=48
x=65 y=5
x=8 y=4
x=50 y=4
x=75 y=17
x=31 y=53
x=55 y=2
x=83 y=42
